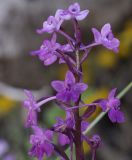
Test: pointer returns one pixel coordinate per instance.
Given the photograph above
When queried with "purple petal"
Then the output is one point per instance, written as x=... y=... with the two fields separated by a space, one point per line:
x=105 y=30
x=37 y=130
x=113 y=103
x=31 y=119
x=50 y=60
x=116 y=116
x=112 y=115
x=97 y=35
x=29 y=94
x=120 y=117
x=66 y=48
x=40 y=31
x=61 y=60
x=58 y=14
x=70 y=123
x=84 y=125
x=80 y=87
x=82 y=15
x=103 y=104
x=115 y=44
x=49 y=134
x=37 y=151
x=58 y=85
x=47 y=28
x=26 y=104
x=48 y=148
x=64 y=96
x=75 y=95
x=69 y=79
x=112 y=93
x=74 y=8
x=63 y=139
x=66 y=15
x=77 y=89
x=34 y=53
x=111 y=44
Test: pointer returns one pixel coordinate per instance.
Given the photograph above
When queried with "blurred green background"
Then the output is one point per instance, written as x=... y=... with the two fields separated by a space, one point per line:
x=103 y=70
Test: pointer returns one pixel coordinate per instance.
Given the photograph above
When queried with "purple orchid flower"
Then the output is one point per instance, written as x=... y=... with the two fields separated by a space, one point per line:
x=112 y=103
x=73 y=11
x=52 y=24
x=68 y=90
x=69 y=123
x=41 y=143
x=61 y=126
x=48 y=51
x=106 y=38
x=31 y=105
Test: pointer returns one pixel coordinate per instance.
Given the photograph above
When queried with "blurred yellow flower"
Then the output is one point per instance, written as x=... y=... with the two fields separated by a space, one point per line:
x=106 y=59
x=6 y=105
x=126 y=41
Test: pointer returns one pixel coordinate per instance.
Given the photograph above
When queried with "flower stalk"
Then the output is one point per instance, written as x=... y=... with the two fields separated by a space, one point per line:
x=70 y=131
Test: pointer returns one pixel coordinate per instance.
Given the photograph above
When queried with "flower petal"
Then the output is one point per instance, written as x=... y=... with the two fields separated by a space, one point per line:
x=97 y=35
x=112 y=93
x=63 y=139
x=112 y=115
x=49 y=134
x=82 y=15
x=61 y=60
x=75 y=95
x=50 y=60
x=116 y=116
x=66 y=48
x=74 y=8
x=69 y=79
x=105 y=30
x=64 y=96
x=120 y=117
x=48 y=148
x=80 y=87
x=84 y=125
x=31 y=119
x=103 y=104
x=29 y=94
x=58 y=85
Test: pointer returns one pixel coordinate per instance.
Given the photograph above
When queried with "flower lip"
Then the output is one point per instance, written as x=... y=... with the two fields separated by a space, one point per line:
x=74 y=8
x=110 y=36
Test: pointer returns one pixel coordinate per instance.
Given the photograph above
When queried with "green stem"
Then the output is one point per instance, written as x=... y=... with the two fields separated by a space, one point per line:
x=102 y=114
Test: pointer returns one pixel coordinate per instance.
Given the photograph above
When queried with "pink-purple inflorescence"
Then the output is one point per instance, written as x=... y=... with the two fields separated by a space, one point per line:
x=70 y=131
